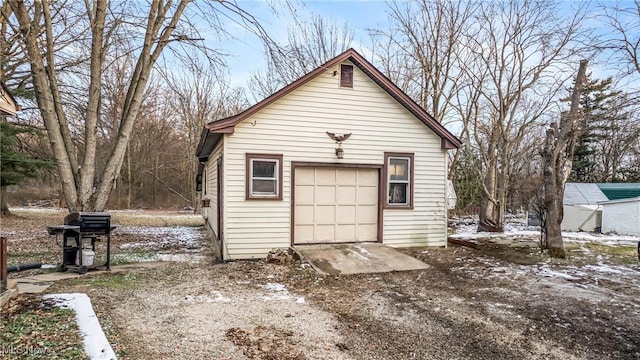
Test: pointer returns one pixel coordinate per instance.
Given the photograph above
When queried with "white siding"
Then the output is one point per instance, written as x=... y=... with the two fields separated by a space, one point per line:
x=296 y=127
x=581 y=217
x=211 y=193
x=622 y=217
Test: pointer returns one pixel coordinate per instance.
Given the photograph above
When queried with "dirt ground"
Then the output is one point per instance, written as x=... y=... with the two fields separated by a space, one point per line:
x=494 y=302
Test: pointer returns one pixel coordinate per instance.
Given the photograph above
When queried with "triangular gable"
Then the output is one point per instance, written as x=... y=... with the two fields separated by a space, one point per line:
x=8 y=105
x=226 y=125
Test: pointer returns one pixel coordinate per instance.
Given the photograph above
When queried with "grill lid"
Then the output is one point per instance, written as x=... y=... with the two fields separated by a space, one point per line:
x=99 y=222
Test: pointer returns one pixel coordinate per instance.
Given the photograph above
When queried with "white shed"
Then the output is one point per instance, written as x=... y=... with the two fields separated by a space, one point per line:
x=581 y=209
x=621 y=216
x=340 y=155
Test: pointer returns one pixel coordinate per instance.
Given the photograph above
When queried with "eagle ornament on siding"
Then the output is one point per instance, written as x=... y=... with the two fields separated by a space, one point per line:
x=339 y=139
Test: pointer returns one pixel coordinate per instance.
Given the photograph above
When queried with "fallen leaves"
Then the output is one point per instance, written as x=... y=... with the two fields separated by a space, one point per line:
x=265 y=343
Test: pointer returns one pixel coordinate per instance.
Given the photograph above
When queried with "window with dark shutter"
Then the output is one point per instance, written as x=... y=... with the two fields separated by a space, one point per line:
x=346 y=75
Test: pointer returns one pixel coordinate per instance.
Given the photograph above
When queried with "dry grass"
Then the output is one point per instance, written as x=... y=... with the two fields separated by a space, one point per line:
x=52 y=216
x=33 y=329
x=156 y=218
x=29 y=242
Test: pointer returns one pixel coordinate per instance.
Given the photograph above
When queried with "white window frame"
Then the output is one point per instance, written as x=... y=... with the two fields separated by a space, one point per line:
x=408 y=204
x=277 y=178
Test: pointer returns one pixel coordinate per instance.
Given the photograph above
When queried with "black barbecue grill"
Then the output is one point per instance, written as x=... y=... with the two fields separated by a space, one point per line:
x=79 y=233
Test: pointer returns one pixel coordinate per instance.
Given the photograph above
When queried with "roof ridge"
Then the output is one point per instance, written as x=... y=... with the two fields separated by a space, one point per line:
x=448 y=139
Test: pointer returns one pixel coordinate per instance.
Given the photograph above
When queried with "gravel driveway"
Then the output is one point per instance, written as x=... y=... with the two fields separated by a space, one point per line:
x=493 y=302
x=225 y=312
x=467 y=305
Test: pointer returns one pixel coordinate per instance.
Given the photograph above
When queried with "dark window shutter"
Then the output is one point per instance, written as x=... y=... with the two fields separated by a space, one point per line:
x=346 y=75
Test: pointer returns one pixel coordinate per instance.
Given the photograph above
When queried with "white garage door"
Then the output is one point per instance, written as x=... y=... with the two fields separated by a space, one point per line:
x=335 y=205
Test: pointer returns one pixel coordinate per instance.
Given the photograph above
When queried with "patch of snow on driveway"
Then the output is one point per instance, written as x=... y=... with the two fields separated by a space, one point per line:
x=278 y=292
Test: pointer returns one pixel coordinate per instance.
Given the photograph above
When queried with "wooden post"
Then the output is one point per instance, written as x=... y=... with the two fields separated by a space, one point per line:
x=3 y=264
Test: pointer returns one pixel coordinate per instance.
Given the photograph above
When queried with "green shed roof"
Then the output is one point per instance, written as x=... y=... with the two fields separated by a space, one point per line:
x=615 y=191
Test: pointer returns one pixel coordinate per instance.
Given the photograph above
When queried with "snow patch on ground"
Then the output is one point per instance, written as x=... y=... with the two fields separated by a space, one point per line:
x=179 y=257
x=466 y=229
x=547 y=272
x=216 y=296
x=96 y=344
x=278 y=292
x=42 y=210
x=608 y=269
x=169 y=257
x=162 y=237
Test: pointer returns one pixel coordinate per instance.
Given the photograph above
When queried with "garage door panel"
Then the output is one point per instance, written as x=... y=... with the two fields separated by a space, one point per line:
x=325 y=195
x=345 y=233
x=335 y=205
x=368 y=177
x=325 y=176
x=346 y=214
x=367 y=195
x=325 y=214
x=367 y=232
x=305 y=194
x=305 y=176
x=304 y=233
x=367 y=215
x=325 y=233
x=305 y=215
x=346 y=195
x=346 y=176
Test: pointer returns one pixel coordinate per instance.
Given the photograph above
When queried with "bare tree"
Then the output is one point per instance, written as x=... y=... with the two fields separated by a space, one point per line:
x=422 y=53
x=623 y=21
x=143 y=29
x=198 y=96
x=421 y=50
x=557 y=156
x=310 y=43
x=517 y=51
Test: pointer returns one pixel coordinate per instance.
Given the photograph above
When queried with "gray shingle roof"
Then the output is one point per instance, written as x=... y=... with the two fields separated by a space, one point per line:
x=583 y=194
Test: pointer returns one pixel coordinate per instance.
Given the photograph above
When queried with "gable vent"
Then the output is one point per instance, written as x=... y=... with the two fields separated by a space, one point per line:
x=346 y=76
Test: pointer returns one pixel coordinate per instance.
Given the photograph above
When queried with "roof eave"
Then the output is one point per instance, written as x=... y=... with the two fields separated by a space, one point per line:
x=234 y=120
x=449 y=141
x=208 y=141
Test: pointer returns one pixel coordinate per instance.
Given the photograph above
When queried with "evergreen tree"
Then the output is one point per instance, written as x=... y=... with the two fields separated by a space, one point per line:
x=467 y=180
x=16 y=163
x=598 y=102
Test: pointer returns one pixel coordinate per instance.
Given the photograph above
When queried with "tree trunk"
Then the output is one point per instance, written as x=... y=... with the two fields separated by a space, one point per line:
x=558 y=158
x=129 y=174
x=88 y=170
x=4 y=207
x=78 y=188
x=47 y=103
x=487 y=216
x=156 y=39
x=553 y=202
